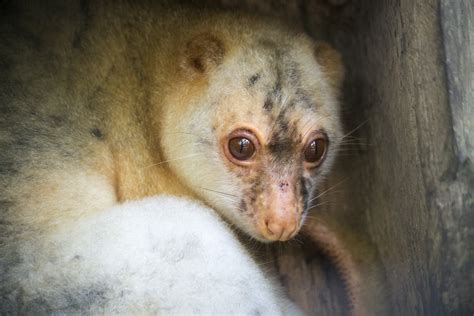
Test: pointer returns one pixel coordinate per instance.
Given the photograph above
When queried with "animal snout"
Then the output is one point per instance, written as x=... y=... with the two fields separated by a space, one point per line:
x=279 y=227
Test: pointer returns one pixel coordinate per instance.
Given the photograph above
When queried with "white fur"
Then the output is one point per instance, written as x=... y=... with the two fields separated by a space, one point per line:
x=160 y=255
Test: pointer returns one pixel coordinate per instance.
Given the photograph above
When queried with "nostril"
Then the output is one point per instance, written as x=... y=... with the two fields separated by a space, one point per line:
x=293 y=231
x=267 y=226
x=281 y=230
x=275 y=229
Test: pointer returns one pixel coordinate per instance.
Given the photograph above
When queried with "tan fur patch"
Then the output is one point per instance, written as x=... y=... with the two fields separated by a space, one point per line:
x=204 y=52
x=331 y=61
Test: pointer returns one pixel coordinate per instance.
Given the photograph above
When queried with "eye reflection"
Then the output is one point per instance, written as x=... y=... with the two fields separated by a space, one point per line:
x=241 y=148
x=314 y=152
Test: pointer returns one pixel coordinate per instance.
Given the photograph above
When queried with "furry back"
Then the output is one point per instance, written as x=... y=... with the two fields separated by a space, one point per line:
x=160 y=255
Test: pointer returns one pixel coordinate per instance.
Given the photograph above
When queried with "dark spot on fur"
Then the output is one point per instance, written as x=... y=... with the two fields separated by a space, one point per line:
x=37 y=306
x=24 y=142
x=281 y=150
x=256 y=189
x=293 y=75
x=243 y=206
x=303 y=98
x=277 y=87
x=80 y=299
x=95 y=294
x=204 y=52
x=253 y=196
x=268 y=105
x=284 y=281
x=97 y=133
x=137 y=66
x=7 y=167
x=283 y=185
x=304 y=193
x=5 y=108
x=8 y=230
x=269 y=44
x=5 y=205
x=57 y=121
x=256 y=312
x=281 y=144
x=77 y=257
x=253 y=80
x=283 y=125
x=197 y=64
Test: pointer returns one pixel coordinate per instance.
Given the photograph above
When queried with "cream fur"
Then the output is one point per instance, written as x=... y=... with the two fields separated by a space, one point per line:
x=160 y=255
x=102 y=103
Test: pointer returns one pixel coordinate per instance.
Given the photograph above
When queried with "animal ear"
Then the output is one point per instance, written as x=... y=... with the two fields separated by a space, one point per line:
x=203 y=53
x=331 y=61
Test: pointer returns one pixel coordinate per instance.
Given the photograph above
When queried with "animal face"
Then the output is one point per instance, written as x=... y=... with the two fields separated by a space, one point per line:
x=264 y=132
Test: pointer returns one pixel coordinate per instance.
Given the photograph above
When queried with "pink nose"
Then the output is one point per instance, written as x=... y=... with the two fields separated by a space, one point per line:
x=276 y=228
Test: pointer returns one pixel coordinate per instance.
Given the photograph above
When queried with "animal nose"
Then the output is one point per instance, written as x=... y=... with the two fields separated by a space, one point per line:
x=277 y=228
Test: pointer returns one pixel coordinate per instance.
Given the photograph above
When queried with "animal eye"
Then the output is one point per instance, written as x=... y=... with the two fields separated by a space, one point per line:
x=314 y=152
x=241 y=148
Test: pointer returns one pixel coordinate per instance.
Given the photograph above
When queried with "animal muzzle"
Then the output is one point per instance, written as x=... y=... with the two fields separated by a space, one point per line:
x=279 y=218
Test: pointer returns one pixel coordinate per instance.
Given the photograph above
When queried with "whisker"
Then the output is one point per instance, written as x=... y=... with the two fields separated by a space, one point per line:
x=311 y=217
x=354 y=144
x=345 y=155
x=347 y=150
x=326 y=191
x=228 y=197
x=310 y=129
x=319 y=204
x=215 y=191
x=321 y=220
x=185 y=133
x=295 y=239
x=350 y=151
x=357 y=140
x=251 y=242
x=307 y=130
x=328 y=194
x=355 y=129
x=190 y=143
x=265 y=263
x=169 y=160
x=353 y=141
x=234 y=201
x=231 y=200
x=352 y=137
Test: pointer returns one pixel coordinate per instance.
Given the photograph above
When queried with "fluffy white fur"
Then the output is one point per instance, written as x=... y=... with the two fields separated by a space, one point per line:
x=160 y=255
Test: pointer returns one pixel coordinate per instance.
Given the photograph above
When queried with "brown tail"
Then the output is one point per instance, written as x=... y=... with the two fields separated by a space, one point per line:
x=357 y=262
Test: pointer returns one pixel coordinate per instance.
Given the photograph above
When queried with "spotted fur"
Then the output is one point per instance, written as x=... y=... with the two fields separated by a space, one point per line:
x=104 y=103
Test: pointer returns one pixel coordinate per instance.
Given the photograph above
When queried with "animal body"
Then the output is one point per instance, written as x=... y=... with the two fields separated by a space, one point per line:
x=104 y=103
x=141 y=257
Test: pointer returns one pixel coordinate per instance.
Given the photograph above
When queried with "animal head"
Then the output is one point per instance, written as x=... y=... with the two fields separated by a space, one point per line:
x=252 y=126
